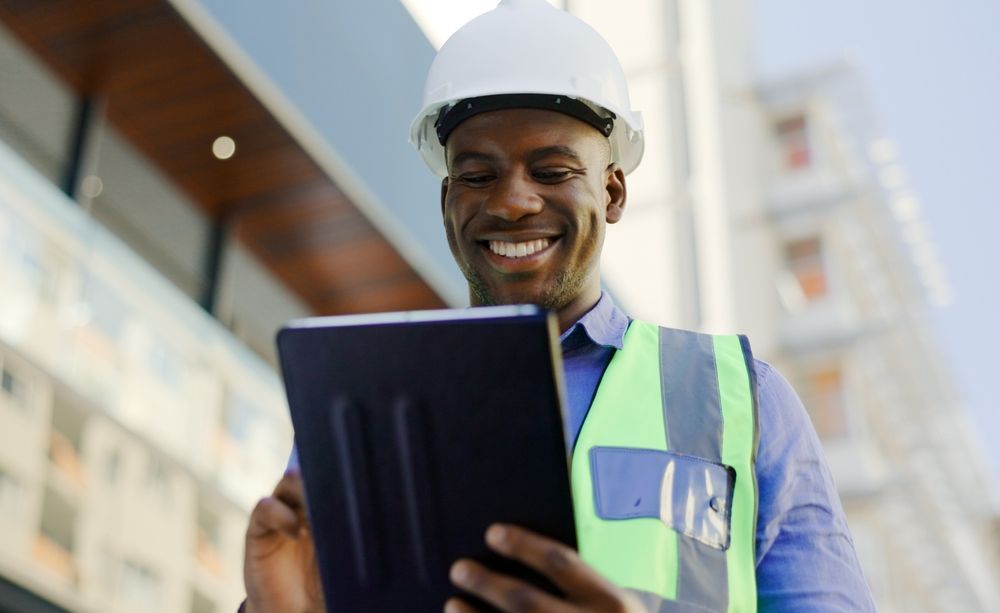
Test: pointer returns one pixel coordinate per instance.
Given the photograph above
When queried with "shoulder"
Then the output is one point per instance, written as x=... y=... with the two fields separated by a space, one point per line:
x=805 y=556
x=788 y=441
x=780 y=407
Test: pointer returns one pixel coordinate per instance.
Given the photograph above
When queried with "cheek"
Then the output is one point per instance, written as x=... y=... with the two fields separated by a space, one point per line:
x=453 y=224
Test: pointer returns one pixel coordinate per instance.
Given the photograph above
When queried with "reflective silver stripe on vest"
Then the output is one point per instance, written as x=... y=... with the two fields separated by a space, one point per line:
x=691 y=410
x=656 y=604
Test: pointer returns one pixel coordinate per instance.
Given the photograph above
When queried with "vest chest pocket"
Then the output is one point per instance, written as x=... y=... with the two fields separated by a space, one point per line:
x=691 y=495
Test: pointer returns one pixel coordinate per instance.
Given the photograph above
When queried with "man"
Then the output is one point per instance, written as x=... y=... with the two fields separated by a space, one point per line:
x=679 y=506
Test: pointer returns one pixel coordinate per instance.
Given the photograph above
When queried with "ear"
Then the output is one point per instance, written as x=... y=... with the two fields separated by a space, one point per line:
x=616 y=192
x=444 y=194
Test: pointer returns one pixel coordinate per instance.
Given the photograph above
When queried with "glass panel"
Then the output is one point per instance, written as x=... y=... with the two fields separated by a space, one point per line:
x=11 y=495
x=37 y=112
x=793 y=141
x=805 y=261
x=146 y=211
x=824 y=399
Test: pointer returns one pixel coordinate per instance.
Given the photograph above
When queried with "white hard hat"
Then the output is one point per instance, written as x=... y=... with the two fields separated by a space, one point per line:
x=527 y=54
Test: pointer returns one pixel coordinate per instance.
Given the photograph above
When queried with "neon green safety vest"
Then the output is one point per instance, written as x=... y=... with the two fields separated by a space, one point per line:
x=663 y=478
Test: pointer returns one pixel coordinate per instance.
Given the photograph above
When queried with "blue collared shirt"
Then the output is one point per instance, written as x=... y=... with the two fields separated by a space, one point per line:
x=805 y=556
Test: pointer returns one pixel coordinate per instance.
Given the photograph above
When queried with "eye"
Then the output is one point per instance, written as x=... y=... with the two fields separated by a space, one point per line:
x=474 y=179
x=553 y=175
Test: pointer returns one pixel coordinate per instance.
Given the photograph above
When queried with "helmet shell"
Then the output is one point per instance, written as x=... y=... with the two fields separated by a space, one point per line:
x=528 y=47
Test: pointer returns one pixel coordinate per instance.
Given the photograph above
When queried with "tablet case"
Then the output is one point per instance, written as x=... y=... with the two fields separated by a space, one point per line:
x=415 y=431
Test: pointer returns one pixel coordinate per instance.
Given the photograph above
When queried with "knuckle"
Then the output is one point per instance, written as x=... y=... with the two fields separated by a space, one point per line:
x=618 y=603
x=522 y=598
x=559 y=559
x=262 y=507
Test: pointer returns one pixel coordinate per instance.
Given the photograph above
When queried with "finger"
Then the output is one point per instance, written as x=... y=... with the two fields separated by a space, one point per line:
x=457 y=605
x=553 y=559
x=290 y=490
x=505 y=593
x=272 y=515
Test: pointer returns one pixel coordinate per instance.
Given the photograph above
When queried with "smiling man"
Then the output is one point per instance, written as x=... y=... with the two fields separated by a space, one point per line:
x=527 y=198
x=698 y=482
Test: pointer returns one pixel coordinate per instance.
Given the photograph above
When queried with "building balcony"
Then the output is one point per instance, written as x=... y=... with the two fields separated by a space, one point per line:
x=812 y=193
x=92 y=315
x=825 y=324
x=858 y=468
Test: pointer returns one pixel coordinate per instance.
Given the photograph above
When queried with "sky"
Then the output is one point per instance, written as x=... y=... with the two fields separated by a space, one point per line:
x=934 y=81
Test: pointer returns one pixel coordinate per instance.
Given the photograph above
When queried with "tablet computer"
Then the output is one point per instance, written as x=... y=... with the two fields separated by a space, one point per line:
x=414 y=432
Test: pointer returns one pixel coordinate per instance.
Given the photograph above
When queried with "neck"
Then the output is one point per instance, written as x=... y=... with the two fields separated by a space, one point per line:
x=578 y=307
x=567 y=314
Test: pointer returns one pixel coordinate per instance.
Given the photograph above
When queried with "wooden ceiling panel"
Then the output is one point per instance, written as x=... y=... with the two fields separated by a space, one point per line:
x=158 y=80
x=171 y=96
x=402 y=293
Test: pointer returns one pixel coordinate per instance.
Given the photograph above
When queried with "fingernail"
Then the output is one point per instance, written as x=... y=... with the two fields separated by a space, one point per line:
x=496 y=535
x=451 y=607
x=459 y=572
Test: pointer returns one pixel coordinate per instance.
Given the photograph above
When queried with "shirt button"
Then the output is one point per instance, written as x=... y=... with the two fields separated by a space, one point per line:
x=716 y=504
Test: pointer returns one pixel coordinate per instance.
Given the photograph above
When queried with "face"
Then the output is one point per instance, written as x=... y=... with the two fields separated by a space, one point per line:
x=525 y=206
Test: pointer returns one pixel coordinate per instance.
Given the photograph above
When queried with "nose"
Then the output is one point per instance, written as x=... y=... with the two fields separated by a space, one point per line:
x=514 y=197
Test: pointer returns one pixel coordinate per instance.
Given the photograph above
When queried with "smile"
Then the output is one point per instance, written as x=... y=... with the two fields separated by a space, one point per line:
x=518 y=250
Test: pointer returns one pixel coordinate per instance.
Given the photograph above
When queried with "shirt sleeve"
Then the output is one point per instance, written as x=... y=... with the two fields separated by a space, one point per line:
x=805 y=556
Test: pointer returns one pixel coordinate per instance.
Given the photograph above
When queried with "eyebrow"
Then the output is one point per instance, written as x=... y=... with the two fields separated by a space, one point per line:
x=537 y=154
x=471 y=156
x=557 y=150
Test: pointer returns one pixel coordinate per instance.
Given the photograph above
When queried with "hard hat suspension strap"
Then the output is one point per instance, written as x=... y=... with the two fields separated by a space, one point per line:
x=451 y=116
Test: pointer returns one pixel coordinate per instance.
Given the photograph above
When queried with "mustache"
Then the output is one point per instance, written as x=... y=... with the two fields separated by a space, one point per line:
x=501 y=226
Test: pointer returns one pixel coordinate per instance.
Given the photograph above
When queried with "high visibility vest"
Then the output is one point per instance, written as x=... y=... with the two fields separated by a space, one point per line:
x=663 y=478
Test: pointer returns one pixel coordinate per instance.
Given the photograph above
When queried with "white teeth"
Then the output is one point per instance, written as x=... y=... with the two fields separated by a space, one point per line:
x=518 y=250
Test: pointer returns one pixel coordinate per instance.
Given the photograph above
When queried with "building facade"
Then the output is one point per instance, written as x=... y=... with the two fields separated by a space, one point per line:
x=174 y=186
x=779 y=209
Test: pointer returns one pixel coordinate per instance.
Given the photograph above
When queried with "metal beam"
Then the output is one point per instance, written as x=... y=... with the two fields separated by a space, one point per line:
x=84 y=148
x=212 y=269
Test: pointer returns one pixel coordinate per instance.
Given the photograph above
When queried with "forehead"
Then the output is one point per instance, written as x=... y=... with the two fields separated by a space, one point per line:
x=512 y=131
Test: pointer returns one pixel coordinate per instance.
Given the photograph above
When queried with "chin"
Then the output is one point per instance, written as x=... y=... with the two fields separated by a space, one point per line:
x=548 y=298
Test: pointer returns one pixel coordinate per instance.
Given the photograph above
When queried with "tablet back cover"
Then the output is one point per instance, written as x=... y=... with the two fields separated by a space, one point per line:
x=414 y=436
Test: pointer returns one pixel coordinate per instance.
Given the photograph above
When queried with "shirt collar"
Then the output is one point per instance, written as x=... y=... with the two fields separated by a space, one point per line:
x=604 y=325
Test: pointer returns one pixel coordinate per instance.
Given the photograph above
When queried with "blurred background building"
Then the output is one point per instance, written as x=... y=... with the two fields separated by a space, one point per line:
x=780 y=209
x=180 y=177
x=164 y=206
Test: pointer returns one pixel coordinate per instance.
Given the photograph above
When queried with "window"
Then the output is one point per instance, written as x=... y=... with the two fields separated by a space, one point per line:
x=804 y=259
x=164 y=363
x=66 y=440
x=14 y=387
x=11 y=495
x=57 y=535
x=38 y=268
x=793 y=142
x=108 y=313
x=823 y=394
x=208 y=541
x=37 y=111
x=157 y=480
x=239 y=417
x=143 y=208
x=138 y=586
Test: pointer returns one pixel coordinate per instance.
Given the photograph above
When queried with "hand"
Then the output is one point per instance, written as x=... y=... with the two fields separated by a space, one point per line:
x=585 y=589
x=279 y=567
